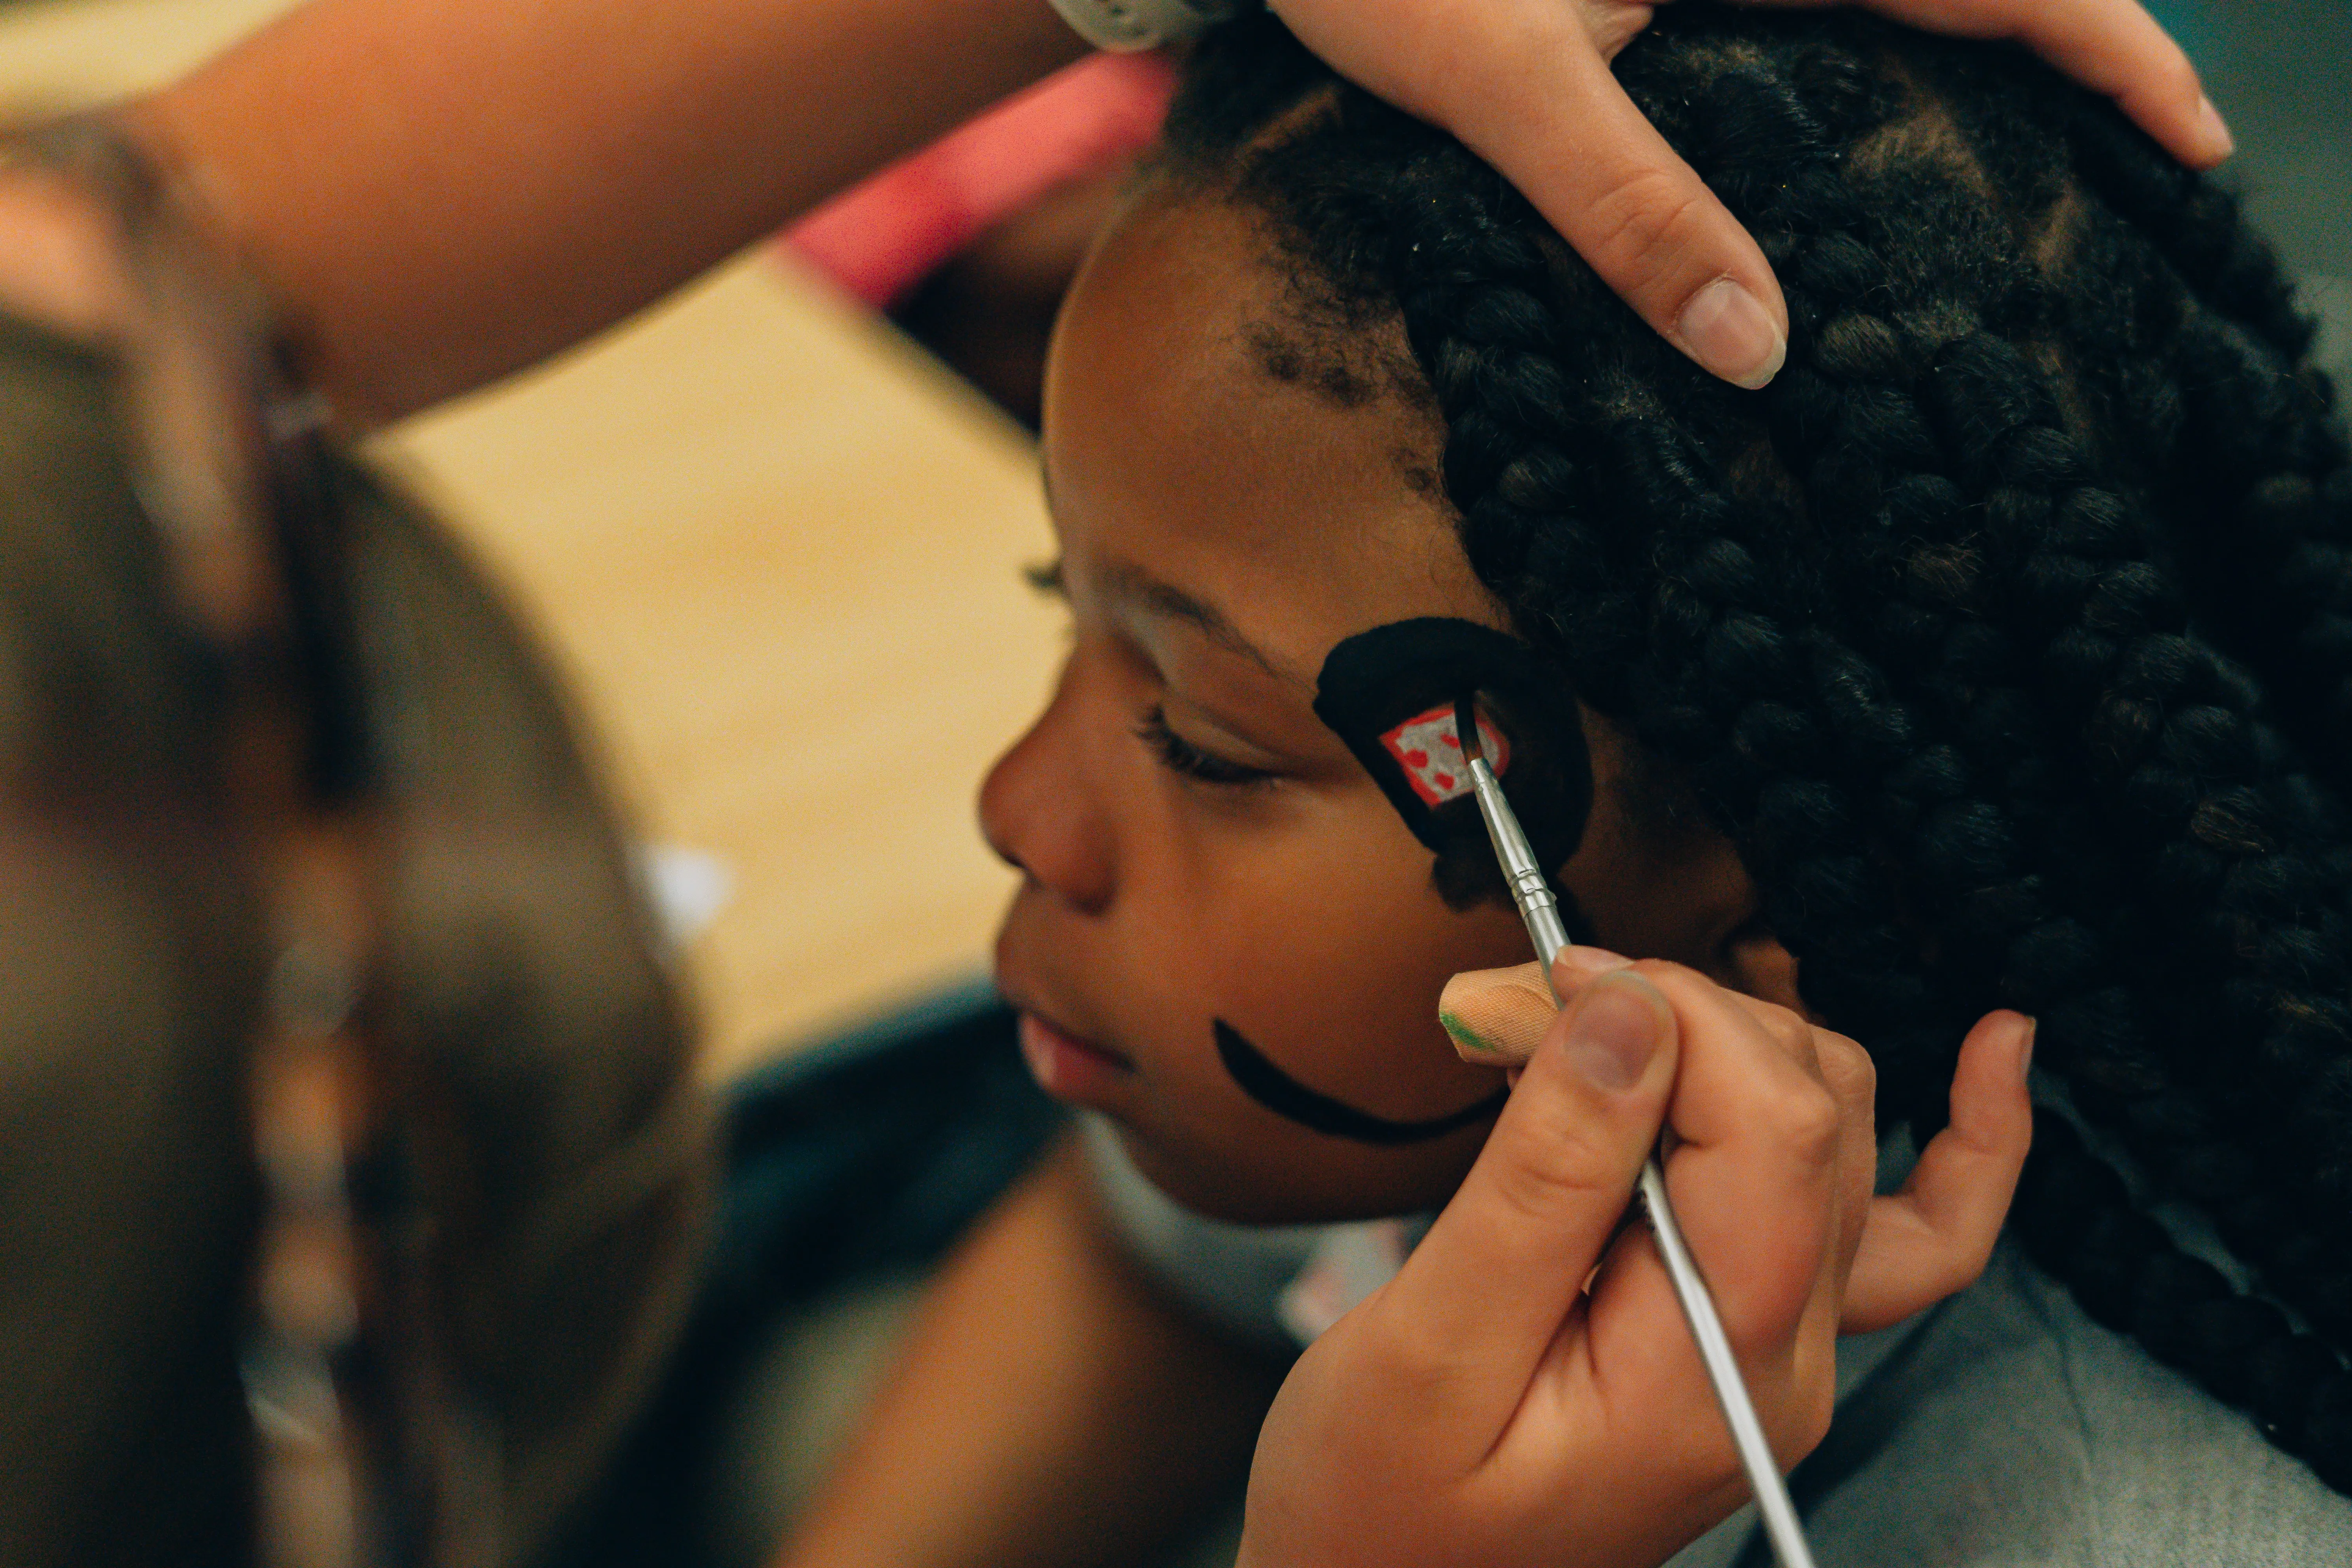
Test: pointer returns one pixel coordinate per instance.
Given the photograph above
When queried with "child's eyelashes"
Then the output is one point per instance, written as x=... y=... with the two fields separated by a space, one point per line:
x=1174 y=752
x=1179 y=755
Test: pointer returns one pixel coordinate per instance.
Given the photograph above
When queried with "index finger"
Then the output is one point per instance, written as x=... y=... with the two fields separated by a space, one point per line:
x=1639 y=216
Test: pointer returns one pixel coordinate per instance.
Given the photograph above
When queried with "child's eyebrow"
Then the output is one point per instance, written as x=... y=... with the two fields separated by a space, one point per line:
x=1153 y=596
x=1122 y=581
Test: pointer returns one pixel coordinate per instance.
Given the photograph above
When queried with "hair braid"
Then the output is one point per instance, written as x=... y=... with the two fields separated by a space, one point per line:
x=1972 y=630
x=2269 y=524
x=1857 y=422
x=1855 y=416
x=1787 y=735
x=2101 y=680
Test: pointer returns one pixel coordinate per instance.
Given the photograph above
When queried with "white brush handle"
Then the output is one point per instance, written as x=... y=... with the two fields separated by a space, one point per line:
x=1772 y=1500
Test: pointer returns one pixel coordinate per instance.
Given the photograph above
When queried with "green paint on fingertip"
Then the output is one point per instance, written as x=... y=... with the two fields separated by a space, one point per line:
x=1463 y=1034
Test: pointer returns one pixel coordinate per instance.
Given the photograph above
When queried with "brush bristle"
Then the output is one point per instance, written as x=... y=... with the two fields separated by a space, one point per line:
x=1465 y=726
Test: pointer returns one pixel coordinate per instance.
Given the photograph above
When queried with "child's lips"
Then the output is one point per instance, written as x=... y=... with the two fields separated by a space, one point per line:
x=1069 y=1067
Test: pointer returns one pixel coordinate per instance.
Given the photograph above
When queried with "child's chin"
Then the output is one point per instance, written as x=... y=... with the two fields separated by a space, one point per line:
x=1240 y=1190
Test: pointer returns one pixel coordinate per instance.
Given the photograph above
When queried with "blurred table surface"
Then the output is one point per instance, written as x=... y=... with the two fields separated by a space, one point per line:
x=778 y=551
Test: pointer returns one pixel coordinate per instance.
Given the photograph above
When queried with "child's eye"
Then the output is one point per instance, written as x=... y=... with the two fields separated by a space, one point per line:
x=1180 y=756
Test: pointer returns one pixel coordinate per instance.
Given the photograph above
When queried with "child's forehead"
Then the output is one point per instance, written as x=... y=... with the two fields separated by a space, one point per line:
x=1172 y=449
x=1217 y=318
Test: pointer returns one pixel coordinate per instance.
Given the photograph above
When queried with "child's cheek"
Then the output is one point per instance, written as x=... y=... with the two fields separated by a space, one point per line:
x=1327 y=951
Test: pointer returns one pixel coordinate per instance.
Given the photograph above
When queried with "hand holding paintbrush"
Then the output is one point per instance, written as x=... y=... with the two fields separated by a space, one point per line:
x=1526 y=1390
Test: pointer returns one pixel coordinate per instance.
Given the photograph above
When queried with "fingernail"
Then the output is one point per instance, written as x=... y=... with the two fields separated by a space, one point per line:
x=2025 y=1051
x=2214 y=129
x=1575 y=965
x=1729 y=331
x=1613 y=1036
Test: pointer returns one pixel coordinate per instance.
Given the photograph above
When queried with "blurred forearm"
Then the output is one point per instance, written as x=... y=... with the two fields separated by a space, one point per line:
x=444 y=190
x=1049 y=1409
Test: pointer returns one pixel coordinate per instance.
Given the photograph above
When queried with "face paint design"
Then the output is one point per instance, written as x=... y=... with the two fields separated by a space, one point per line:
x=1428 y=746
x=1390 y=693
x=1287 y=1097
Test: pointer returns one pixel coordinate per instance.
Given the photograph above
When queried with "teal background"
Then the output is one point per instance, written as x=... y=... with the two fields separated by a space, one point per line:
x=2281 y=72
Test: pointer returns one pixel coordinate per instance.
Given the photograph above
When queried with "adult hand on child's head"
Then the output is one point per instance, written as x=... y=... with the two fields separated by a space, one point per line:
x=1526 y=85
x=1484 y=1408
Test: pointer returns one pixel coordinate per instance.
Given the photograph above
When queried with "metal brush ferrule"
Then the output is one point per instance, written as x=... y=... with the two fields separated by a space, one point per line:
x=1530 y=890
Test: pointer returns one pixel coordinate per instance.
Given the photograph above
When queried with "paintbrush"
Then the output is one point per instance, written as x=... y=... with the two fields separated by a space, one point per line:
x=1540 y=908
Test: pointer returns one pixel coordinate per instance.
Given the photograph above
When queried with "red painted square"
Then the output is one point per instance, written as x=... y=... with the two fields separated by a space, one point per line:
x=1429 y=748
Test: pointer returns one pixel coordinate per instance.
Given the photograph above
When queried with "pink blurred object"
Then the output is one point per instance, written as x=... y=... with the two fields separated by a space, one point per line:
x=879 y=239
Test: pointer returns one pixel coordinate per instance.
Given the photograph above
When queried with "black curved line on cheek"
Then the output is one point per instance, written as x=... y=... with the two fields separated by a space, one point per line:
x=1293 y=1100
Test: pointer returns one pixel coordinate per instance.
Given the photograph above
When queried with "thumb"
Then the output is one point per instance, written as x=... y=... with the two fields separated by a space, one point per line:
x=1485 y=1295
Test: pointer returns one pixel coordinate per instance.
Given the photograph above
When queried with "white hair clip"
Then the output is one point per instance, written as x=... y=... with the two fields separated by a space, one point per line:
x=1128 y=25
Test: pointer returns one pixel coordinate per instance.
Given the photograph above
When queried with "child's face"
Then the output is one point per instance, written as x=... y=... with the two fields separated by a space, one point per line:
x=1199 y=850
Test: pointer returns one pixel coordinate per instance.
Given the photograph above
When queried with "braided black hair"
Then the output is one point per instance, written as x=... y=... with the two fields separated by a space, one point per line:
x=2008 y=633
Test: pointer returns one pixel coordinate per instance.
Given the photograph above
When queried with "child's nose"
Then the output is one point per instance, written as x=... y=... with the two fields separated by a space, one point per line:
x=1038 y=815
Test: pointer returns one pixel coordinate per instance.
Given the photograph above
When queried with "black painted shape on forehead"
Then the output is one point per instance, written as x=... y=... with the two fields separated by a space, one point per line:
x=1378 y=679
x=1293 y=1100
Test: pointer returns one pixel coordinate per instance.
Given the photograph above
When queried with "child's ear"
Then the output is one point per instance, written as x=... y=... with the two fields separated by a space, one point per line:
x=1760 y=967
